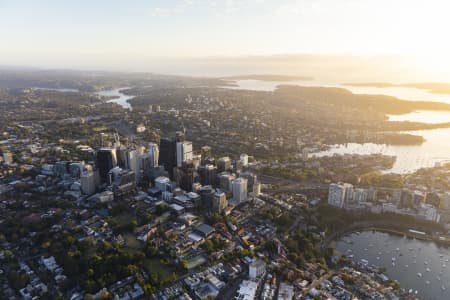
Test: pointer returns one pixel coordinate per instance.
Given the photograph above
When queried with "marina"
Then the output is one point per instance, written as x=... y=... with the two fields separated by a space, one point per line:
x=419 y=266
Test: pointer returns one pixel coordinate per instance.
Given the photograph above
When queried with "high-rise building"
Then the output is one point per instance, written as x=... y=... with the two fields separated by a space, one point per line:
x=153 y=153
x=256 y=269
x=121 y=181
x=106 y=160
x=60 y=168
x=205 y=154
x=163 y=184
x=224 y=164
x=219 y=202
x=207 y=197
x=338 y=194
x=208 y=175
x=132 y=162
x=239 y=190
x=8 y=158
x=75 y=169
x=185 y=176
x=184 y=152
x=225 y=180
x=88 y=183
x=257 y=188
x=251 y=179
x=168 y=154
x=244 y=160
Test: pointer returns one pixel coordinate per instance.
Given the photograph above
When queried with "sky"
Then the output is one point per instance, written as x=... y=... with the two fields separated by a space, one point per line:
x=131 y=34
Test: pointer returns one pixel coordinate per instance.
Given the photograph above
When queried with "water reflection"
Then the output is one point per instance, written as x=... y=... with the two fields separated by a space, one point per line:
x=417 y=265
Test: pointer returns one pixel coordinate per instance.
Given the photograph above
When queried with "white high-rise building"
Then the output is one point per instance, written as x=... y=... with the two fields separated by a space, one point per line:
x=153 y=153
x=244 y=160
x=184 y=152
x=239 y=190
x=132 y=162
x=162 y=183
x=338 y=194
x=8 y=158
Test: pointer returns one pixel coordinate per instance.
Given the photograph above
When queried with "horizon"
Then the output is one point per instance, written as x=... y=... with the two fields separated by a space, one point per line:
x=172 y=37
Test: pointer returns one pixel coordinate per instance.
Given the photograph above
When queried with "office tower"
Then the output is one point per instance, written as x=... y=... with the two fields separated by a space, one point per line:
x=75 y=169
x=206 y=195
x=257 y=188
x=185 y=176
x=244 y=160
x=239 y=190
x=219 y=202
x=338 y=194
x=224 y=164
x=132 y=162
x=163 y=184
x=225 y=181
x=196 y=186
x=168 y=154
x=153 y=154
x=208 y=175
x=184 y=152
x=8 y=158
x=121 y=181
x=88 y=183
x=60 y=168
x=120 y=154
x=205 y=154
x=251 y=179
x=106 y=160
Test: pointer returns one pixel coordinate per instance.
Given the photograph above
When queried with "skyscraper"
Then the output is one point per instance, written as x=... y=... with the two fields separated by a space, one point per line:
x=168 y=154
x=224 y=164
x=88 y=183
x=208 y=175
x=184 y=152
x=219 y=202
x=185 y=176
x=239 y=190
x=153 y=153
x=205 y=154
x=106 y=160
x=132 y=162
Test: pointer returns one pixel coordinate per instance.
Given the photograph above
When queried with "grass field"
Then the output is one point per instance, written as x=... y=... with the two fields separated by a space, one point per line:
x=155 y=266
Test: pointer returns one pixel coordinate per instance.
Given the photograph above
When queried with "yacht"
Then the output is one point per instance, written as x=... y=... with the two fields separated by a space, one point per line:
x=428 y=270
x=419 y=274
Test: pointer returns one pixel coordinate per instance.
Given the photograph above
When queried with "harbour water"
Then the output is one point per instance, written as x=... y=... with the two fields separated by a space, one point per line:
x=120 y=98
x=421 y=266
x=406 y=93
x=435 y=149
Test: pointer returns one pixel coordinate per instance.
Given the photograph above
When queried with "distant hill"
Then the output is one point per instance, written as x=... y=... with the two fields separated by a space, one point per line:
x=269 y=77
x=433 y=87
